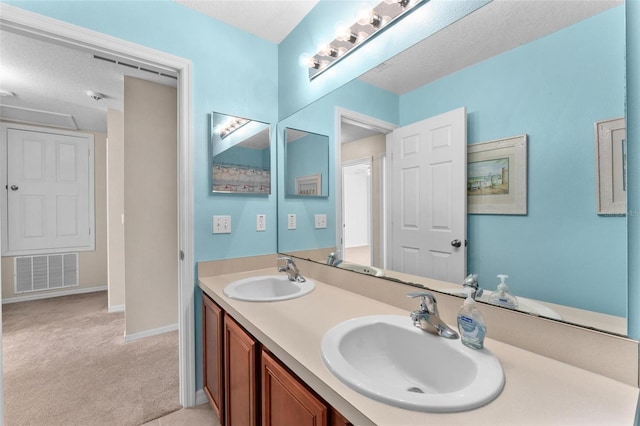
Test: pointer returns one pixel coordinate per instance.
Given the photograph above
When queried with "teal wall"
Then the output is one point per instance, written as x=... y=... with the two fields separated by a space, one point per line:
x=543 y=90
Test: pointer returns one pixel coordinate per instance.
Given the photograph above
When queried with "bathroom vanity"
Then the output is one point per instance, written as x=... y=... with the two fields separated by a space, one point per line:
x=287 y=335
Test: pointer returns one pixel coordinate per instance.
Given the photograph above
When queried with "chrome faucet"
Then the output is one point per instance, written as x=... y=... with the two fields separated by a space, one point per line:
x=472 y=282
x=291 y=269
x=334 y=258
x=427 y=317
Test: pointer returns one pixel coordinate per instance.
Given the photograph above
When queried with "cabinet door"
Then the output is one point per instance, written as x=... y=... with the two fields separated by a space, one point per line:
x=212 y=332
x=285 y=400
x=240 y=383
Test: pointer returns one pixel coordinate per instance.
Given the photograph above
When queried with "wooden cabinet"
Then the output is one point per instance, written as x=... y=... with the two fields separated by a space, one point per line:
x=240 y=359
x=212 y=346
x=285 y=400
x=246 y=385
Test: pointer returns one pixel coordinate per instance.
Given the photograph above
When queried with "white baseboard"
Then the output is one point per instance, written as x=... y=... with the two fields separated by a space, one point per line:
x=201 y=397
x=116 y=308
x=53 y=294
x=148 y=333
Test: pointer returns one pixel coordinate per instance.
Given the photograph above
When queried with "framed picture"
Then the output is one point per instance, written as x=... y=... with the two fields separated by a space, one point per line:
x=310 y=185
x=611 y=163
x=497 y=176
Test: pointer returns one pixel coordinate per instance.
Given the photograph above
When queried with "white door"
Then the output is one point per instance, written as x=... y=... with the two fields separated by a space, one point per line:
x=428 y=197
x=49 y=192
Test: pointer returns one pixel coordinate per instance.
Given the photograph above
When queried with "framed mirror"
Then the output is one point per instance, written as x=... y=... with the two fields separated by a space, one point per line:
x=306 y=163
x=241 y=151
x=562 y=254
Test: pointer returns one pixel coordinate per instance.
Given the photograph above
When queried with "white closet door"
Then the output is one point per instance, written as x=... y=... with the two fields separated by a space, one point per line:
x=428 y=197
x=50 y=192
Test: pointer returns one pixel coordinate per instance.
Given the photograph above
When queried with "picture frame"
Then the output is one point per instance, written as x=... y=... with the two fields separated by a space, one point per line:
x=497 y=176
x=611 y=163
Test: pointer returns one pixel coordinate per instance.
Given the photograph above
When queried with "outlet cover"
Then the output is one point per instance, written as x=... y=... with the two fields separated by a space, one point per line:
x=291 y=221
x=221 y=224
x=261 y=222
x=321 y=221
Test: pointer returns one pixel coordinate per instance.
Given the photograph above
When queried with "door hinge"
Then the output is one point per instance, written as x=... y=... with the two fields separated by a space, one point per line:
x=181 y=255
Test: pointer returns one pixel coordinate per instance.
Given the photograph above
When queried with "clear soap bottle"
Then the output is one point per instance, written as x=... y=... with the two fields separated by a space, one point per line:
x=502 y=296
x=471 y=324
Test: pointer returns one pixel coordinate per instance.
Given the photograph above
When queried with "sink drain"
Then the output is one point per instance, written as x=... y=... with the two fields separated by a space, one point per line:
x=415 y=390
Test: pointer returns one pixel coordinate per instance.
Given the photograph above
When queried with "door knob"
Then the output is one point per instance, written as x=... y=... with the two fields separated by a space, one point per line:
x=456 y=243
x=14 y=187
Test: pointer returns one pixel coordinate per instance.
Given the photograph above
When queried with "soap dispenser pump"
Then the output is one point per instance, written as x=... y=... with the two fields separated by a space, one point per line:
x=471 y=324
x=502 y=296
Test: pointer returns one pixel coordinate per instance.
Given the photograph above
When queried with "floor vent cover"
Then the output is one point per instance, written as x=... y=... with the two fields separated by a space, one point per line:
x=35 y=273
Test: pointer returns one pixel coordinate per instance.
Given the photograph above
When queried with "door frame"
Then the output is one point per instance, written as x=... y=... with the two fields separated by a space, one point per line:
x=384 y=126
x=31 y=24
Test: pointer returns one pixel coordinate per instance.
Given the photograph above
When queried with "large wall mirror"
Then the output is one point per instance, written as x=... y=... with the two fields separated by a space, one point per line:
x=241 y=154
x=561 y=72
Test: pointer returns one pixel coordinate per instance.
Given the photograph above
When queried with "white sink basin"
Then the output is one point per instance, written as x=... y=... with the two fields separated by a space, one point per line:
x=370 y=270
x=267 y=288
x=387 y=358
x=524 y=304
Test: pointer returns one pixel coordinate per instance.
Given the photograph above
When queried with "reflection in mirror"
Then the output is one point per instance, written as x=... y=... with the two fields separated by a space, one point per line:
x=562 y=255
x=307 y=164
x=241 y=155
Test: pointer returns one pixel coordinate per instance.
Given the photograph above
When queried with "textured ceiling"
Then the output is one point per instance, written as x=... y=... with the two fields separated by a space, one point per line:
x=271 y=20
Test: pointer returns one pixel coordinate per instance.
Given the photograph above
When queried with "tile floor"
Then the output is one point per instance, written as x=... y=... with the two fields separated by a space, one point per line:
x=201 y=415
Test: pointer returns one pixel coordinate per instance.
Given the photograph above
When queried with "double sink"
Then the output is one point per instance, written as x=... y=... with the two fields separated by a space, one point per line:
x=387 y=358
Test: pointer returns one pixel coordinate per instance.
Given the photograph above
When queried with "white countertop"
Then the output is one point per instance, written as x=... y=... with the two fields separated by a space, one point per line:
x=538 y=390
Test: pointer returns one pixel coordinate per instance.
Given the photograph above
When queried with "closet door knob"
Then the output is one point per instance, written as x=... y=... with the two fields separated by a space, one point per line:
x=456 y=243
x=14 y=187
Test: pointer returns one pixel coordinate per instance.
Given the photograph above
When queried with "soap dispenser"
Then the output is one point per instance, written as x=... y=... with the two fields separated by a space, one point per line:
x=471 y=324
x=502 y=296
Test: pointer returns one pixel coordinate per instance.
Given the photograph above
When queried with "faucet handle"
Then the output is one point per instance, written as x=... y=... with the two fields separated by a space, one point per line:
x=426 y=306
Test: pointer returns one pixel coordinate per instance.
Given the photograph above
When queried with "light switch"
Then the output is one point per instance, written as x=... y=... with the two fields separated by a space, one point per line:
x=261 y=222
x=221 y=224
x=291 y=221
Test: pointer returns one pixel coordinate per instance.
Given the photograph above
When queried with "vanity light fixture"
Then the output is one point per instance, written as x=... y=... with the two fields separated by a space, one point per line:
x=229 y=126
x=370 y=22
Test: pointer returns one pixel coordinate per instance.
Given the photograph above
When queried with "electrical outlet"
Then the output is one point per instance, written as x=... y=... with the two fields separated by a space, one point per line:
x=291 y=221
x=261 y=222
x=221 y=224
x=321 y=221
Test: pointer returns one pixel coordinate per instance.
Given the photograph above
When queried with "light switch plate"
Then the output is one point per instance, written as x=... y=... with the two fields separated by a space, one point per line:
x=291 y=221
x=261 y=222
x=321 y=221
x=221 y=224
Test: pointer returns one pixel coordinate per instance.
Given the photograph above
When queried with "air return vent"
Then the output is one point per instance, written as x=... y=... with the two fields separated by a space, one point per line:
x=35 y=273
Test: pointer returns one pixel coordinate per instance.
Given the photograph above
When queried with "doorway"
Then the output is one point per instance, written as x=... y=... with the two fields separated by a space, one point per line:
x=361 y=222
x=30 y=24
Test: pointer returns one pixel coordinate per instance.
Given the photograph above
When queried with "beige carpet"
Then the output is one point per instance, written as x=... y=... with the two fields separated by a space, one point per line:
x=65 y=363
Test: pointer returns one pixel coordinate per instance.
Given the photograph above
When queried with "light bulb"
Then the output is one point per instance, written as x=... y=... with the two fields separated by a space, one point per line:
x=364 y=15
x=324 y=49
x=305 y=60
x=342 y=31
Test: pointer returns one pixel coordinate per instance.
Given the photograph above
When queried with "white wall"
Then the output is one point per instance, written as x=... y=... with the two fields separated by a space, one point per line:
x=150 y=205
x=115 y=209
